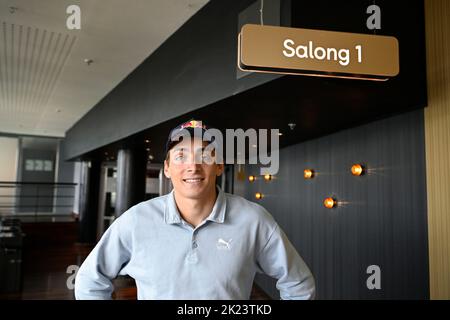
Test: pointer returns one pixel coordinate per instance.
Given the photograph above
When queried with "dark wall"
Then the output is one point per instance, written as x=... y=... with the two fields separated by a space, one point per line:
x=383 y=220
x=195 y=67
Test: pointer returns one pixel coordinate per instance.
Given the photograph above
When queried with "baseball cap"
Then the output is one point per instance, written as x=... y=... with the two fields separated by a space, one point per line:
x=190 y=128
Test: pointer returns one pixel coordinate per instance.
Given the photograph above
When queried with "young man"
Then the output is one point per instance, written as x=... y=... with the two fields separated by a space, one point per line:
x=197 y=242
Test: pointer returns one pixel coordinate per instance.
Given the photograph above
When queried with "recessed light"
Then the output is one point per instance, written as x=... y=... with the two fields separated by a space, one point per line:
x=308 y=173
x=259 y=196
x=357 y=170
x=330 y=203
x=88 y=61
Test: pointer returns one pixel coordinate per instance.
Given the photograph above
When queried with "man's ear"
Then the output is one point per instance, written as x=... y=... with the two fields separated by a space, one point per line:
x=220 y=168
x=166 y=169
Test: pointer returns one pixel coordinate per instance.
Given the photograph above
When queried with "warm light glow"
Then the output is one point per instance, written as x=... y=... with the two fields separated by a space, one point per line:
x=251 y=178
x=267 y=177
x=329 y=203
x=308 y=173
x=258 y=195
x=357 y=170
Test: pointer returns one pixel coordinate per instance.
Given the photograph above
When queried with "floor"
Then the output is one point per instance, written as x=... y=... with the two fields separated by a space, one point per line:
x=49 y=251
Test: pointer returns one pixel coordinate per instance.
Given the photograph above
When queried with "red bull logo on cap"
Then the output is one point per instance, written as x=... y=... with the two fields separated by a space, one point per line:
x=193 y=124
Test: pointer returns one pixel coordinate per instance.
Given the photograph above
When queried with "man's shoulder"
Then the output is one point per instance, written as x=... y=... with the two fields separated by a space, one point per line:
x=239 y=206
x=152 y=208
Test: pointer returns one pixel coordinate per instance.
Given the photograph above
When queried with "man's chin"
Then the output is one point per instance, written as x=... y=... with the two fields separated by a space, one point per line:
x=194 y=193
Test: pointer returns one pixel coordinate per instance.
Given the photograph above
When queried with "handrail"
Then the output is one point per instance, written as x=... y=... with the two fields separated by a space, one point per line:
x=38 y=183
x=25 y=198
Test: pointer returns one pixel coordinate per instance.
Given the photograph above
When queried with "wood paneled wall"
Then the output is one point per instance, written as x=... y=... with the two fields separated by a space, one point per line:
x=437 y=135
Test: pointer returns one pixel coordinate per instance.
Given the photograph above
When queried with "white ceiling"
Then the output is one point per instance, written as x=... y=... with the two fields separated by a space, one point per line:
x=45 y=85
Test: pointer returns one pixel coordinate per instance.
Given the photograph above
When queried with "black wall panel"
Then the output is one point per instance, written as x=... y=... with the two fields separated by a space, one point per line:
x=381 y=219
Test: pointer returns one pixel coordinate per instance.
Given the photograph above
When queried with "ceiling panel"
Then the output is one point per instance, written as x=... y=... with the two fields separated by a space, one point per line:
x=45 y=84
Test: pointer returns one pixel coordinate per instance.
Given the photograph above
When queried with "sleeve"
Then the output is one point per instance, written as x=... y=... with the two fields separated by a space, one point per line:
x=279 y=259
x=108 y=258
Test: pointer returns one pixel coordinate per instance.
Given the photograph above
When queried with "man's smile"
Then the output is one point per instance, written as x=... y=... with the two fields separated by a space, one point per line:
x=193 y=180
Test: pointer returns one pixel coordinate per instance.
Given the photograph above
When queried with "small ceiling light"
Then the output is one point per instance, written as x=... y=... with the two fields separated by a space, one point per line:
x=267 y=177
x=88 y=61
x=308 y=173
x=292 y=125
x=151 y=157
x=148 y=149
x=251 y=178
x=329 y=203
x=147 y=141
x=280 y=133
x=357 y=170
x=258 y=196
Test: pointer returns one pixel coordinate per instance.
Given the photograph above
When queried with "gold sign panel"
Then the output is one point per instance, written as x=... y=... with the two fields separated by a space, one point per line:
x=317 y=53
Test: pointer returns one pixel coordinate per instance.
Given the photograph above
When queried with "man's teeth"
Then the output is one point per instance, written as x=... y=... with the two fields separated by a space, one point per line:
x=193 y=180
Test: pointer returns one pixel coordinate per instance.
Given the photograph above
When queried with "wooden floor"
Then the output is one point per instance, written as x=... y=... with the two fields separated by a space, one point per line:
x=49 y=249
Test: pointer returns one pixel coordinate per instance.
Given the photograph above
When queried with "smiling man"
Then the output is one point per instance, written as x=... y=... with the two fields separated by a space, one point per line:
x=197 y=242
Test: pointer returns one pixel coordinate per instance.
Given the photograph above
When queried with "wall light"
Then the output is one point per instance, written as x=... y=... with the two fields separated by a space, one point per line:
x=308 y=173
x=329 y=203
x=251 y=178
x=259 y=196
x=268 y=177
x=357 y=170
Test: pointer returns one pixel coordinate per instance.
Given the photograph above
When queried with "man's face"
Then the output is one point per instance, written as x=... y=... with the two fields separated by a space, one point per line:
x=192 y=171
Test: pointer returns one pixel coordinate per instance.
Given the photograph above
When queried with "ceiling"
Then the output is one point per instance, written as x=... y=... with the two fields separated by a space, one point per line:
x=45 y=84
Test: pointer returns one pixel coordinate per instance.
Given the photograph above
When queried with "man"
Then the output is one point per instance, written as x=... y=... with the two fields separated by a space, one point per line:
x=197 y=242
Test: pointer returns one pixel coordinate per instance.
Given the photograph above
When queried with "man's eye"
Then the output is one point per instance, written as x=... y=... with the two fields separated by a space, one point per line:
x=179 y=157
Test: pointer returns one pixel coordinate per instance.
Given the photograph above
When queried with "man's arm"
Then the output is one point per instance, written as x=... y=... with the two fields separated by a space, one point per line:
x=107 y=259
x=280 y=260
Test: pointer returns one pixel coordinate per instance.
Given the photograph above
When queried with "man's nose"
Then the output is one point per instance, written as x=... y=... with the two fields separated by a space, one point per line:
x=193 y=163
